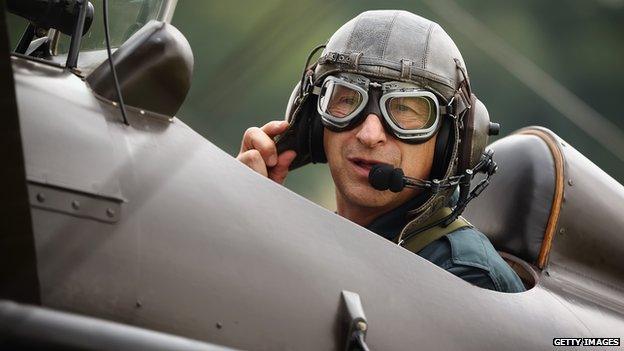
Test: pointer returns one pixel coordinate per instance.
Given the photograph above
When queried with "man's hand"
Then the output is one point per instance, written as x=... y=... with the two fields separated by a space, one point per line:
x=258 y=151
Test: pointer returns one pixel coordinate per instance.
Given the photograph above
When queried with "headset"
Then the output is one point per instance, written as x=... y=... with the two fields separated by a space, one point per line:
x=460 y=150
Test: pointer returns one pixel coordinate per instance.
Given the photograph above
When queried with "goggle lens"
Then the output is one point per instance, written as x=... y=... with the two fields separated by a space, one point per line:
x=411 y=112
x=408 y=112
x=338 y=100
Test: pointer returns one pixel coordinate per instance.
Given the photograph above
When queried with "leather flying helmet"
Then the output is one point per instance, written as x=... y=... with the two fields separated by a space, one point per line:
x=397 y=47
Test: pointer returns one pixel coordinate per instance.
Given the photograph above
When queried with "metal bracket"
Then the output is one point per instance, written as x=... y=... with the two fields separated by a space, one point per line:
x=357 y=325
x=74 y=203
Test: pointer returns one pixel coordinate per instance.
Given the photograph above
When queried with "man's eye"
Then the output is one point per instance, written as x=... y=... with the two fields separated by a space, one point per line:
x=404 y=109
x=347 y=100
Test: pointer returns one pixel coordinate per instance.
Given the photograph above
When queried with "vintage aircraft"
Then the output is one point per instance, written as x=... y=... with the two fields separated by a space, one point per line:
x=132 y=231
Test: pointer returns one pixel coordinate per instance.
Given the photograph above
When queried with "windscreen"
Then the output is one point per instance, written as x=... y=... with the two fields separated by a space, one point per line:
x=125 y=18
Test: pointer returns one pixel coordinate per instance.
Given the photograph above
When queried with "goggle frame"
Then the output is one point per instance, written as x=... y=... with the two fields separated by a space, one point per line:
x=389 y=90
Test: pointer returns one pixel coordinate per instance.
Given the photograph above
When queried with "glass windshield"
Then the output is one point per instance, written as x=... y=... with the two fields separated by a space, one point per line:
x=125 y=18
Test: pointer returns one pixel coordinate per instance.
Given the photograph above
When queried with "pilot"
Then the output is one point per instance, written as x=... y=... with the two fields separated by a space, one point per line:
x=391 y=88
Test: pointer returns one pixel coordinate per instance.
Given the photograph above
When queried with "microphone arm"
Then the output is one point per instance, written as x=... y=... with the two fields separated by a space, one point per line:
x=385 y=177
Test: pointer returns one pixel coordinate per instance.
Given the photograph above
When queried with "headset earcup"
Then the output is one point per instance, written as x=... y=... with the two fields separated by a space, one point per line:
x=317 y=149
x=475 y=134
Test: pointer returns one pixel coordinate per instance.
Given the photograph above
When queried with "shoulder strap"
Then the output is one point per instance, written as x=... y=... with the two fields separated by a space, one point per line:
x=418 y=242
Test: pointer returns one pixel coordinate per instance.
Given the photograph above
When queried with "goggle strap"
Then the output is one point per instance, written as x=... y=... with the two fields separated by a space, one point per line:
x=462 y=99
x=406 y=69
x=350 y=60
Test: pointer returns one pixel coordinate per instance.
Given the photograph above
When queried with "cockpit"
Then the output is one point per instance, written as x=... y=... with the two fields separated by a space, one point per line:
x=51 y=39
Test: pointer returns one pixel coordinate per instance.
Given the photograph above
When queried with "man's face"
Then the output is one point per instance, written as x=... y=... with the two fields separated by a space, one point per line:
x=352 y=153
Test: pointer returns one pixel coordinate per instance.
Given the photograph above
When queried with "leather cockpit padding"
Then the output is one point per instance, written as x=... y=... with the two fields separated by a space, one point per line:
x=557 y=201
x=514 y=212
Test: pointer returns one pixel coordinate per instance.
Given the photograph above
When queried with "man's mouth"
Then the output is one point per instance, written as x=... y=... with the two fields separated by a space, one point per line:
x=363 y=166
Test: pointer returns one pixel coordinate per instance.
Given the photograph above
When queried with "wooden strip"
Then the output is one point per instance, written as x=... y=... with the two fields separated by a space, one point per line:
x=555 y=209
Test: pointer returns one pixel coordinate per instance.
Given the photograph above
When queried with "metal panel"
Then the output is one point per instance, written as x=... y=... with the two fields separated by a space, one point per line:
x=60 y=151
x=208 y=249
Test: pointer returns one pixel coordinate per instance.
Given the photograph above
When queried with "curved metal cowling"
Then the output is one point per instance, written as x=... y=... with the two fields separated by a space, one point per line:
x=198 y=245
x=154 y=226
x=34 y=328
x=551 y=206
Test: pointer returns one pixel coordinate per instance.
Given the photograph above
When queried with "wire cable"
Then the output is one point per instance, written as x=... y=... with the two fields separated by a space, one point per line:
x=112 y=66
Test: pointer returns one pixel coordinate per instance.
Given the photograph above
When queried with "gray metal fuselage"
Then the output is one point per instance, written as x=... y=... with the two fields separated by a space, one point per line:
x=152 y=225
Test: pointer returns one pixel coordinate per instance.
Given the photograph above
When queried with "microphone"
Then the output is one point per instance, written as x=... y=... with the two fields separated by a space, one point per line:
x=385 y=177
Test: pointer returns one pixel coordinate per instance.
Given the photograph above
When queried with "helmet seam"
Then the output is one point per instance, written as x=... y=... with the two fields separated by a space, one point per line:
x=385 y=40
x=429 y=31
x=349 y=40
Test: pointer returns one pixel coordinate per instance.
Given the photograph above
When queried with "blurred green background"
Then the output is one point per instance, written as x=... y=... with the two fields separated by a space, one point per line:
x=558 y=64
x=249 y=54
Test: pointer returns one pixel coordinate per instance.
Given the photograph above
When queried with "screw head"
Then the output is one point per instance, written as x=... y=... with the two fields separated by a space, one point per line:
x=570 y=182
x=110 y=212
x=361 y=326
x=75 y=204
x=41 y=32
x=40 y=197
x=219 y=325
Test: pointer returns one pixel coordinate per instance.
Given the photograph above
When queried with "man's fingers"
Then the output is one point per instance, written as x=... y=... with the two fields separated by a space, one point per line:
x=274 y=128
x=280 y=171
x=253 y=160
x=255 y=138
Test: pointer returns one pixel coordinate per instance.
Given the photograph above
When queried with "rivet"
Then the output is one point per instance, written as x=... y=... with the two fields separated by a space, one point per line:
x=570 y=183
x=40 y=197
x=75 y=204
x=562 y=231
x=362 y=326
x=114 y=103
x=110 y=212
x=219 y=325
x=139 y=303
x=41 y=32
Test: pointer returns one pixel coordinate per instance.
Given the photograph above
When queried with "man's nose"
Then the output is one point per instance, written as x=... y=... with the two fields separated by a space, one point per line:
x=372 y=132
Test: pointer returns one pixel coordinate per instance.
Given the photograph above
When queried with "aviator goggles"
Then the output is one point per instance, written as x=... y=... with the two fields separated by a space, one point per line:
x=409 y=113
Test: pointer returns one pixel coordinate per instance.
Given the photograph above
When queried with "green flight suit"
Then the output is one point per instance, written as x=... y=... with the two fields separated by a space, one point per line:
x=465 y=252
